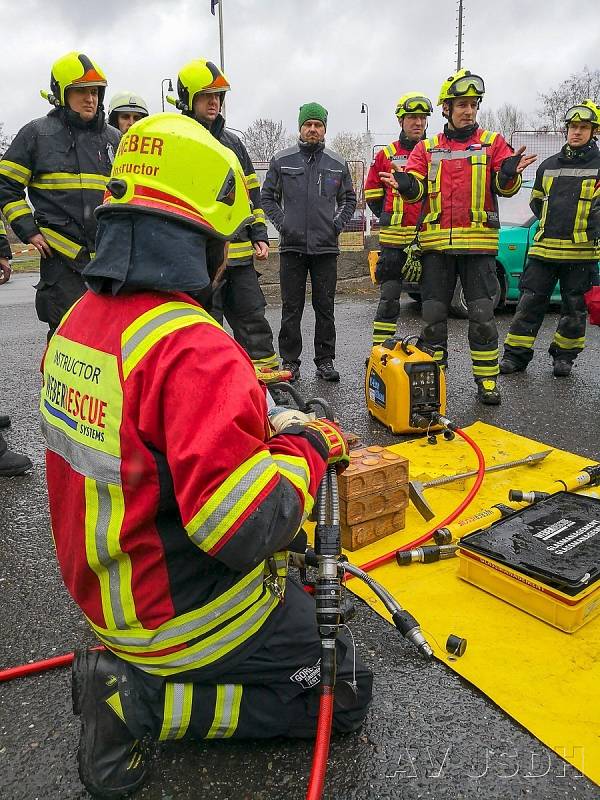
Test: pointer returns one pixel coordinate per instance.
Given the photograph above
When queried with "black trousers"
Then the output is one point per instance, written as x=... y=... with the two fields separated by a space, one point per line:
x=536 y=285
x=60 y=285
x=274 y=692
x=478 y=277
x=294 y=269
x=241 y=301
x=388 y=274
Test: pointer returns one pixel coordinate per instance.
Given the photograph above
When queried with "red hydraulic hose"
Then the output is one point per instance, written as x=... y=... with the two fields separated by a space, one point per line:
x=377 y=562
x=321 y=751
x=39 y=666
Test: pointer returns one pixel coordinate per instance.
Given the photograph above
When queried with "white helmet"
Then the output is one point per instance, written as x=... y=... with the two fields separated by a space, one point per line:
x=126 y=102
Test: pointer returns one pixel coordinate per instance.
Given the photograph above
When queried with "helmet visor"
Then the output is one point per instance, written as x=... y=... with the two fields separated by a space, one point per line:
x=415 y=105
x=462 y=86
x=580 y=113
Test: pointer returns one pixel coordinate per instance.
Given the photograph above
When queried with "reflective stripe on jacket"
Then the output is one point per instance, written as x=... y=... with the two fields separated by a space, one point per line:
x=566 y=200
x=64 y=170
x=397 y=218
x=170 y=509
x=460 y=180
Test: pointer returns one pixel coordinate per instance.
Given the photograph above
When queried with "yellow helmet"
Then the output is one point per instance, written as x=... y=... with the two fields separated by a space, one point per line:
x=76 y=69
x=200 y=75
x=461 y=84
x=586 y=111
x=151 y=173
x=413 y=103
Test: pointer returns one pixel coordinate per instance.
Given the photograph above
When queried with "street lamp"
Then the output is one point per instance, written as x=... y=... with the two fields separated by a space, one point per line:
x=365 y=110
x=162 y=90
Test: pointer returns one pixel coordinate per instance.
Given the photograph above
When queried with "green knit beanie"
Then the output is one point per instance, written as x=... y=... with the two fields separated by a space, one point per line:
x=312 y=111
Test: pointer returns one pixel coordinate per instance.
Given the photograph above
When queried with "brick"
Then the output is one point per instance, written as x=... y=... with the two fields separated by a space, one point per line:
x=356 y=536
x=386 y=501
x=372 y=469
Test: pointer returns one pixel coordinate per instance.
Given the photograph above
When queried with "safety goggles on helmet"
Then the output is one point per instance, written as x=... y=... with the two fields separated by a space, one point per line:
x=467 y=85
x=414 y=105
x=582 y=114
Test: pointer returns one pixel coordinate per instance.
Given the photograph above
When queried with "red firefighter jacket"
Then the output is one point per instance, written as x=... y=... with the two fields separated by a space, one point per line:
x=460 y=180
x=170 y=505
x=397 y=218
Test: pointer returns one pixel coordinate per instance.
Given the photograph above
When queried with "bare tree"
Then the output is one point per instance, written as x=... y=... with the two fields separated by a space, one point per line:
x=265 y=137
x=356 y=148
x=571 y=91
x=5 y=140
x=510 y=119
x=486 y=119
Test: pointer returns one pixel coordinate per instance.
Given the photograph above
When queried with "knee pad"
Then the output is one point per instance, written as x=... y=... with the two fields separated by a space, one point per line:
x=434 y=311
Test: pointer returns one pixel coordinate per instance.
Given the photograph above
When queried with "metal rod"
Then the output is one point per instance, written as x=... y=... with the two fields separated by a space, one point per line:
x=460 y=35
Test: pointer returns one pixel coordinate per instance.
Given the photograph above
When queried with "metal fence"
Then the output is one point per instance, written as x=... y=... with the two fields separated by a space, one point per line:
x=353 y=235
x=543 y=144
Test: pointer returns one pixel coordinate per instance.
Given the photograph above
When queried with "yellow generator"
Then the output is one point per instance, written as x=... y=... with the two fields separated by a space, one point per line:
x=404 y=386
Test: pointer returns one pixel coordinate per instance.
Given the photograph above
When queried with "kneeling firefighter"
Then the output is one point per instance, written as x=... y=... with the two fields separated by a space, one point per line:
x=201 y=87
x=172 y=500
x=458 y=174
x=397 y=219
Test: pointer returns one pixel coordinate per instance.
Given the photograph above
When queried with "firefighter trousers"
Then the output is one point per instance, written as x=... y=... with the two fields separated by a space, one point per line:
x=478 y=277
x=294 y=271
x=240 y=300
x=537 y=284
x=60 y=285
x=273 y=692
x=388 y=273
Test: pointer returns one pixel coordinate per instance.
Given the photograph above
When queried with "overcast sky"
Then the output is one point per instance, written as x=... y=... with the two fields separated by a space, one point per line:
x=281 y=53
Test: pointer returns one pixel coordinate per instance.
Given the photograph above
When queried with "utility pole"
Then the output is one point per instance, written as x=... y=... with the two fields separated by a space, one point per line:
x=459 y=35
x=221 y=45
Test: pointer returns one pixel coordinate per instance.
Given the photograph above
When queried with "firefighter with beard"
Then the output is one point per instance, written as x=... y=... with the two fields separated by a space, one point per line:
x=63 y=160
x=459 y=173
x=201 y=88
x=173 y=499
x=566 y=200
x=397 y=219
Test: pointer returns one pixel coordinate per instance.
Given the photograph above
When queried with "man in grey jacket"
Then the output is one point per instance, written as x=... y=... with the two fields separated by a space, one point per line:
x=308 y=195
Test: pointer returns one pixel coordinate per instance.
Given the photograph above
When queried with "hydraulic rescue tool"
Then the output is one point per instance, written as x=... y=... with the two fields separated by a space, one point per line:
x=331 y=569
x=416 y=488
x=404 y=386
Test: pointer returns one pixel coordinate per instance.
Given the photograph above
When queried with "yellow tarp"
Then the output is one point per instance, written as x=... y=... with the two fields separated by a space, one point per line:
x=547 y=680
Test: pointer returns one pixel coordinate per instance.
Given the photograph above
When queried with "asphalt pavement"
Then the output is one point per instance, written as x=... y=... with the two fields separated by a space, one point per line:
x=429 y=734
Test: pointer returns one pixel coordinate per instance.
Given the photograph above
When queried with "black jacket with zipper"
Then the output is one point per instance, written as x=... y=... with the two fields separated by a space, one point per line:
x=64 y=165
x=566 y=200
x=309 y=197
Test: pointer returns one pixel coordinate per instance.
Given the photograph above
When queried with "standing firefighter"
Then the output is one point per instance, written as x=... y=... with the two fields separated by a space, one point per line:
x=201 y=87
x=172 y=500
x=566 y=200
x=460 y=172
x=63 y=160
x=309 y=197
x=125 y=109
x=397 y=219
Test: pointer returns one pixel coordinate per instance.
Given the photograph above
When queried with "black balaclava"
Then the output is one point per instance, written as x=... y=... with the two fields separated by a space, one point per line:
x=140 y=251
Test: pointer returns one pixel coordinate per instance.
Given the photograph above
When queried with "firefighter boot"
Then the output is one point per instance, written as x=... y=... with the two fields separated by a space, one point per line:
x=561 y=368
x=487 y=392
x=12 y=464
x=508 y=366
x=4 y=421
x=112 y=762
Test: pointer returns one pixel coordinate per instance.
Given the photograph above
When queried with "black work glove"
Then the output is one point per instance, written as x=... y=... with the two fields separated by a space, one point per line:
x=403 y=181
x=509 y=166
x=299 y=543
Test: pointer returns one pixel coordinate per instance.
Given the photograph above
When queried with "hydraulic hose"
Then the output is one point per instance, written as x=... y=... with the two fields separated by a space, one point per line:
x=377 y=562
x=39 y=666
x=321 y=751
